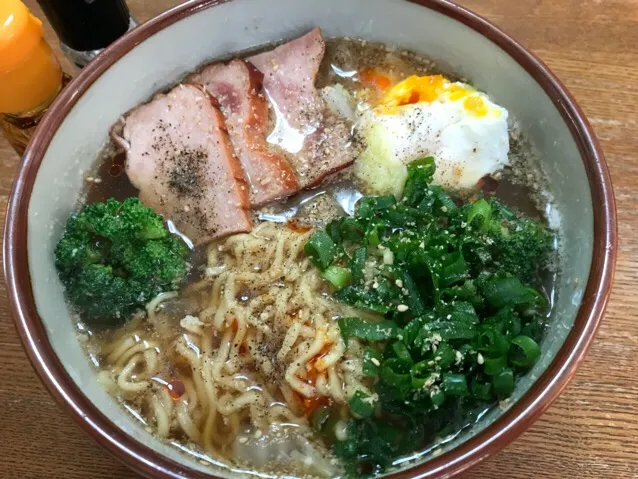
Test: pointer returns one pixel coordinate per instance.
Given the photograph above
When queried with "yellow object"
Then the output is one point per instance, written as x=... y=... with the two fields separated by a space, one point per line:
x=30 y=75
x=429 y=88
x=415 y=89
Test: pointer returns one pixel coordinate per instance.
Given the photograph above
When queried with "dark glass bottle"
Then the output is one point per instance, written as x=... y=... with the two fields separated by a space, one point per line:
x=87 y=26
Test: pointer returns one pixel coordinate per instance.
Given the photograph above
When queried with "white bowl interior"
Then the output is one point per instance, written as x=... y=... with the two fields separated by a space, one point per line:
x=165 y=57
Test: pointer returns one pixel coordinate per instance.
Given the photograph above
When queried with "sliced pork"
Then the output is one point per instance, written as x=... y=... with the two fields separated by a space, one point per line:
x=289 y=72
x=318 y=143
x=180 y=158
x=237 y=87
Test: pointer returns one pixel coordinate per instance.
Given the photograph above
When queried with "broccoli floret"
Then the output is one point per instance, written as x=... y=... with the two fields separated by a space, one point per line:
x=116 y=256
x=521 y=245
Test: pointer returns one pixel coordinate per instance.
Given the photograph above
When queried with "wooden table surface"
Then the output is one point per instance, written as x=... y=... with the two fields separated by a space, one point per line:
x=592 y=430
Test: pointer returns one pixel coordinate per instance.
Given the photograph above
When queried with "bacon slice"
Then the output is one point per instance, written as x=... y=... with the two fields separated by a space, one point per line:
x=238 y=89
x=180 y=158
x=316 y=142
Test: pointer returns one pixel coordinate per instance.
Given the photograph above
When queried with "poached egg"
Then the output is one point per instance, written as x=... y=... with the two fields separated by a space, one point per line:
x=465 y=132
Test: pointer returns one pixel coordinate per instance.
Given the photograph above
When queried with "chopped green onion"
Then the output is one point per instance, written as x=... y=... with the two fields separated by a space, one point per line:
x=503 y=382
x=452 y=330
x=446 y=203
x=369 y=205
x=500 y=292
x=402 y=352
x=359 y=328
x=321 y=250
x=493 y=366
x=422 y=369
x=438 y=397
x=492 y=342
x=371 y=361
x=534 y=330
x=351 y=230
x=525 y=351
x=338 y=276
x=452 y=282
x=420 y=172
x=358 y=264
x=413 y=299
x=481 y=391
x=454 y=269
x=444 y=356
x=333 y=229
x=374 y=233
x=362 y=405
x=481 y=210
x=455 y=384
x=362 y=298
x=400 y=383
x=511 y=325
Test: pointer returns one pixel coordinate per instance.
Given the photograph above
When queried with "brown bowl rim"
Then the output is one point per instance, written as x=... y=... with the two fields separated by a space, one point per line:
x=506 y=428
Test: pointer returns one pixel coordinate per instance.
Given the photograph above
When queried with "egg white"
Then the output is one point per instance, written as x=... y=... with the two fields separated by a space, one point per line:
x=466 y=146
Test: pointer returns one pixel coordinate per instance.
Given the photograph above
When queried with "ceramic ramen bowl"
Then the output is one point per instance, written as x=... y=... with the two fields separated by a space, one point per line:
x=158 y=53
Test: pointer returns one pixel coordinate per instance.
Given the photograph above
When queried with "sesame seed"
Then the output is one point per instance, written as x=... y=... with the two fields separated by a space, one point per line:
x=402 y=308
x=375 y=361
x=480 y=359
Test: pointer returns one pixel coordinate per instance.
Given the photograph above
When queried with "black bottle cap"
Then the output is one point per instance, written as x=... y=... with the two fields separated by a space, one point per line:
x=87 y=24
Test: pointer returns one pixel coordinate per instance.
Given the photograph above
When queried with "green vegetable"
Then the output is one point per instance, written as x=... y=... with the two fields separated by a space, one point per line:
x=358 y=263
x=362 y=405
x=445 y=356
x=359 y=328
x=455 y=385
x=525 y=352
x=116 y=256
x=481 y=391
x=438 y=397
x=371 y=361
x=480 y=214
x=491 y=342
x=500 y=292
x=456 y=282
x=493 y=366
x=321 y=250
x=420 y=173
x=503 y=382
x=522 y=245
x=338 y=276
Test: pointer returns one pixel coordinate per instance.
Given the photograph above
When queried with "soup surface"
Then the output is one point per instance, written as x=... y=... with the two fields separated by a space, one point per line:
x=368 y=268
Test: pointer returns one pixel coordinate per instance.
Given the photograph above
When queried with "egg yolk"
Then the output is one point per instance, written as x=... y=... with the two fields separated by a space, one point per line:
x=475 y=104
x=418 y=89
x=415 y=89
